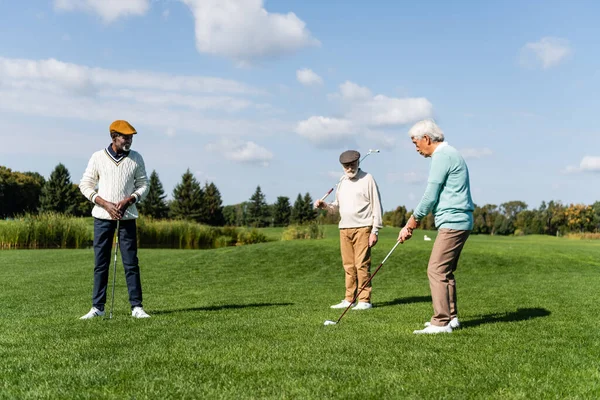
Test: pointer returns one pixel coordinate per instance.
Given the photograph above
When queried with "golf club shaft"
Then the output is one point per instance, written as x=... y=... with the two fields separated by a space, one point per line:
x=327 y=194
x=112 y=299
x=367 y=282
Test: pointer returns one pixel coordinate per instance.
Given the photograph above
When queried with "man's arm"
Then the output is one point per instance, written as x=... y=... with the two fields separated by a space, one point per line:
x=140 y=182
x=438 y=174
x=89 y=180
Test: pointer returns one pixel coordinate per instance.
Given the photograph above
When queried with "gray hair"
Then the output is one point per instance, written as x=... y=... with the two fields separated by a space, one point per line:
x=426 y=127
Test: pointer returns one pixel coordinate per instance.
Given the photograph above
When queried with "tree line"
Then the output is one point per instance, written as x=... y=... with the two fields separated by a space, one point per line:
x=29 y=192
x=514 y=218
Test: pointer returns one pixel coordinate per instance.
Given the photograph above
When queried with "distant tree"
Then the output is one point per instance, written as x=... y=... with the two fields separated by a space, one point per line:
x=282 y=211
x=57 y=194
x=19 y=192
x=396 y=218
x=310 y=213
x=258 y=211
x=154 y=205
x=580 y=218
x=297 y=216
x=187 y=199
x=31 y=185
x=484 y=219
x=83 y=207
x=428 y=223
x=552 y=216
x=213 y=205
x=596 y=208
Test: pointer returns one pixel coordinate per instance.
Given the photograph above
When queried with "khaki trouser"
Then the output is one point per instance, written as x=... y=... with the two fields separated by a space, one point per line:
x=356 y=257
x=442 y=264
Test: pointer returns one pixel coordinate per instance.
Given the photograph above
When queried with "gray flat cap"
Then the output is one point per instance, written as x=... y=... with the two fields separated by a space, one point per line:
x=349 y=156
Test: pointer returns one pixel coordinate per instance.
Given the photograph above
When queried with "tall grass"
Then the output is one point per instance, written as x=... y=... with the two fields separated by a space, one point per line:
x=583 y=236
x=44 y=231
x=51 y=230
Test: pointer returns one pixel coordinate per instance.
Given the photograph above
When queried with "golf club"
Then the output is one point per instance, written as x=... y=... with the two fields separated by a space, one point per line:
x=369 y=153
x=112 y=300
x=365 y=156
x=328 y=322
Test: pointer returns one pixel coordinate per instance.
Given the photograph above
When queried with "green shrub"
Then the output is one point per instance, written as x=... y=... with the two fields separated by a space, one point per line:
x=310 y=231
x=251 y=236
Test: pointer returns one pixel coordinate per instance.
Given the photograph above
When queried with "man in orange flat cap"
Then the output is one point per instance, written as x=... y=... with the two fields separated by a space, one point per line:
x=115 y=180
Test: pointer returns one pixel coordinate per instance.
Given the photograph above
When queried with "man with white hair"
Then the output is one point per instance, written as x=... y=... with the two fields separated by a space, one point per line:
x=358 y=201
x=448 y=196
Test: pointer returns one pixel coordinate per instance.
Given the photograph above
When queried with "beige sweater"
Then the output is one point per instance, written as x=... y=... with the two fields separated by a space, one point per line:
x=359 y=202
x=115 y=181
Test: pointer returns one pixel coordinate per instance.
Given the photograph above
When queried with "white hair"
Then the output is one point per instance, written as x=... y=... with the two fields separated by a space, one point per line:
x=426 y=127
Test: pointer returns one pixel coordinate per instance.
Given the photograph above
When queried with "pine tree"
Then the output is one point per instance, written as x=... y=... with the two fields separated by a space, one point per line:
x=309 y=210
x=154 y=205
x=298 y=216
x=187 y=199
x=83 y=207
x=258 y=211
x=57 y=194
x=213 y=205
x=282 y=211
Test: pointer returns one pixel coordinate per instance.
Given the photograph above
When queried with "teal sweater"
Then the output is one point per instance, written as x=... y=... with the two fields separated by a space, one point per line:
x=448 y=193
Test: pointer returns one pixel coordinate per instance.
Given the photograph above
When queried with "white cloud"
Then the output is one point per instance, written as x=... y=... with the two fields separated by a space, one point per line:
x=383 y=110
x=476 y=153
x=307 y=77
x=587 y=164
x=364 y=112
x=353 y=92
x=166 y=13
x=170 y=132
x=380 y=139
x=82 y=78
x=108 y=10
x=242 y=152
x=546 y=53
x=55 y=89
x=244 y=31
x=326 y=132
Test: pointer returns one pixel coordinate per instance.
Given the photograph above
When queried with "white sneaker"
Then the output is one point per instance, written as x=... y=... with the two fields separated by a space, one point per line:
x=434 y=329
x=362 y=305
x=343 y=304
x=454 y=324
x=138 y=312
x=94 y=312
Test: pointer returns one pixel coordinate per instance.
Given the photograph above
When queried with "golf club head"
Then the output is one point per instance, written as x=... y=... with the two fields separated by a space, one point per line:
x=373 y=150
x=328 y=322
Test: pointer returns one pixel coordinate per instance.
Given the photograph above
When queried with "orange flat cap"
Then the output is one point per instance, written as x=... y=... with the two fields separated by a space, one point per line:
x=123 y=127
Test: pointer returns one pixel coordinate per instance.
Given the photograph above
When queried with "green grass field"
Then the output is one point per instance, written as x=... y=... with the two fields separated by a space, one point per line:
x=247 y=322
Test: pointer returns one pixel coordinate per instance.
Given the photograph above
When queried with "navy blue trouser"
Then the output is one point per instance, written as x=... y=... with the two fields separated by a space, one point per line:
x=104 y=231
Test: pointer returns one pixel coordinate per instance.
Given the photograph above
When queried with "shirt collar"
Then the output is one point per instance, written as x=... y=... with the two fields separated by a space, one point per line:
x=440 y=146
x=116 y=156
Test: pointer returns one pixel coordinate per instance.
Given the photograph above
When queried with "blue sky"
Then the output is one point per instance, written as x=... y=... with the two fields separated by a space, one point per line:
x=269 y=93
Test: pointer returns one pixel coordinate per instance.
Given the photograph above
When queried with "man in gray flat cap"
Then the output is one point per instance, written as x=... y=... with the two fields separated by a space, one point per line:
x=358 y=201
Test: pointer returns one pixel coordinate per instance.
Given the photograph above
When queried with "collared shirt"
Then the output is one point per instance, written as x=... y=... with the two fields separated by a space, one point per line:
x=117 y=157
